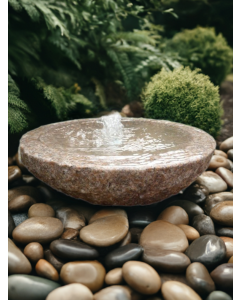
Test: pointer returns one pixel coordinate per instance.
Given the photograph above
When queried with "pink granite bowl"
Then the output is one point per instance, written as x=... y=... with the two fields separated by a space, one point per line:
x=155 y=160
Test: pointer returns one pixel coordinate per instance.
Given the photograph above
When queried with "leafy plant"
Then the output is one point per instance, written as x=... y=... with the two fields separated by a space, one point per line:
x=203 y=49
x=184 y=96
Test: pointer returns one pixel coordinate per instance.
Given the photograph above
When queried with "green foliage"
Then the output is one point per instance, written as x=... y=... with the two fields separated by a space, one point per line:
x=17 y=109
x=184 y=96
x=203 y=49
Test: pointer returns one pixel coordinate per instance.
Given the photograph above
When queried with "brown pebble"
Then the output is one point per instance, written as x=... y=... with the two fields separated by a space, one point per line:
x=212 y=181
x=114 y=277
x=229 y=246
x=226 y=175
x=73 y=291
x=230 y=260
x=20 y=204
x=113 y=292
x=24 y=190
x=70 y=218
x=191 y=233
x=221 y=153
x=38 y=229
x=222 y=213
x=227 y=144
x=89 y=273
x=163 y=236
x=126 y=240
x=70 y=234
x=218 y=161
x=175 y=215
x=53 y=260
x=103 y=213
x=45 y=269
x=230 y=154
x=223 y=277
x=10 y=161
x=174 y=290
x=34 y=252
x=14 y=173
x=41 y=210
x=141 y=277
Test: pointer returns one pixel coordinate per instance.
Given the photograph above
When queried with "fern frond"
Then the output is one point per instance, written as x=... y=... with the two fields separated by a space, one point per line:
x=100 y=92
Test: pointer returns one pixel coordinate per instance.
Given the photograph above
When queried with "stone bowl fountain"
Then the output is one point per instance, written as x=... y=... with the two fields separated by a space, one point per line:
x=117 y=161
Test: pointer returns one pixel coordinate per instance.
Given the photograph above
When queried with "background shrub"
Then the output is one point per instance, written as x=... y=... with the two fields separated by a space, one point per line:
x=184 y=96
x=203 y=49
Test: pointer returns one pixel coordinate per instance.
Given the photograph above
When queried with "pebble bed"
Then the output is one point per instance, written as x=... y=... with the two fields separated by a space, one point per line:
x=60 y=248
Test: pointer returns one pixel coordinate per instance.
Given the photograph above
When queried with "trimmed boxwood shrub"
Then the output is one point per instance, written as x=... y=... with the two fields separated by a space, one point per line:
x=203 y=49
x=184 y=96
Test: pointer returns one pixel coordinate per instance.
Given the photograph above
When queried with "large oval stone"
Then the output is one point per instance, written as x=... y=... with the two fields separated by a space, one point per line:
x=73 y=291
x=65 y=155
x=222 y=213
x=141 y=277
x=199 y=279
x=38 y=229
x=174 y=290
x=116 y=292
x=203 y=224
x=162 y=235
x=212 y=181
x=209 y=250
x=219 y=295
x=227 y=144
x=166 y=261
x=28 y=287
x=214 y=199
x=73 y=250
x=175 y=215
x=119 y=256
x=105 y=231
x=191 y=208
x=17 y=261
x=89 y=273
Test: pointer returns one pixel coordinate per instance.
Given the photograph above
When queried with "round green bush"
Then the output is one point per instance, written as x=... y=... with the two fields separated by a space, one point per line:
x=202 y=48
x=184 y=96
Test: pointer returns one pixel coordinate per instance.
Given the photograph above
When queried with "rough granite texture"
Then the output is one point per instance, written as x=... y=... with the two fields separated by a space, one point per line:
x=112 y=179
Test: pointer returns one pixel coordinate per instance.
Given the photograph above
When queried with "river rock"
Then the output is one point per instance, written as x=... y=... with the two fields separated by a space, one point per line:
x=230 y=260
x=17 y=261
x=219 y=295
x=41 y=210
x=115 y=292
x=162 y=235
x=212 y=181
x=226 y=175
x=135 y=234
x=209 y=250
x=10 y=161
x=166 y=261
x=141 y=217
x=224 y=231
x=141 y=277
x=25 y=190
x=73 y=291
x=221 y=153
x=127 y=240
x=231 y=165
x=105 y=231
x=38 y=229
x=175 y=215
x=213 y=199
x=14 y=173
x=165 y=277
x=114 y=277
x=11 y=224
x=89 y=273
x=203 y=224
x=70 y=218
x=222 y=213
x=230 y=154
x=70 y=234
x=174 y=290
x=53 y=260
x=34 y=252
x=199 y=279
x=28 y=287
x=229 y=246
x=190 y=207
x=20 y=203
x=85 y=209
x=73 y=250
x=107 y=212
x=119 y=256
x=227 y=144
x=223 y=277
x=191 y=233
x=45 y=269
x=196 y=193
x=218 y=161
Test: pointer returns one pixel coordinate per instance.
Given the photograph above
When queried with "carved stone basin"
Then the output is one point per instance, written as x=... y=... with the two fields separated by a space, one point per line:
x=153 y=160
